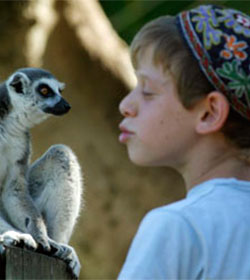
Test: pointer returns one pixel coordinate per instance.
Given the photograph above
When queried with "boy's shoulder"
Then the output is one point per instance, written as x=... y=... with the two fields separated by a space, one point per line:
x=207 y=202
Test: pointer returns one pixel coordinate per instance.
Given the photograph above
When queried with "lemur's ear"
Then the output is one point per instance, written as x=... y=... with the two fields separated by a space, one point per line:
x=19 y=83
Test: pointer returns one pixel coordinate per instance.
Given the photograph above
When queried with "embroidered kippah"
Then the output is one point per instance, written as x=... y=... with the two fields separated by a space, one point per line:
x=219 y=38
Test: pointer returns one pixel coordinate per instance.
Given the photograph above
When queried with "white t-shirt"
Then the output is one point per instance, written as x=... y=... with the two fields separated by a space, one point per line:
x=204 y=236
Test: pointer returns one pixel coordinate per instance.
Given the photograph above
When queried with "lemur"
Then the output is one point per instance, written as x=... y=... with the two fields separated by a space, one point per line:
x=40 y=202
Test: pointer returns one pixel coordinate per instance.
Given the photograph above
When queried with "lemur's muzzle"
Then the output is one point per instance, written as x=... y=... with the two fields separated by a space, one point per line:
x=60 y=108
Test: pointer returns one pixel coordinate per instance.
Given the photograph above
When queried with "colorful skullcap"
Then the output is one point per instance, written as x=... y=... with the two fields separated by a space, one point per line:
x=219 y=38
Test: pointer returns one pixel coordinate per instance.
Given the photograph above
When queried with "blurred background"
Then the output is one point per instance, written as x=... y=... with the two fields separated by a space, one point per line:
x=85 y=44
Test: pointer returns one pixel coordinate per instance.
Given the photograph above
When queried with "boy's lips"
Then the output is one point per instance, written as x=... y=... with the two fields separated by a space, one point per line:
x=125 y=134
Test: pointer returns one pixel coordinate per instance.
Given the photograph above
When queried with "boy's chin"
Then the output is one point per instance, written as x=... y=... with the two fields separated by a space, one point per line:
x=142 y=156
x=137 y=160
x=142 y=161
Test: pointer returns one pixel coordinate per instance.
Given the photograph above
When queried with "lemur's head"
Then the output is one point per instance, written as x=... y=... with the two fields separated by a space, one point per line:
x=35 y=93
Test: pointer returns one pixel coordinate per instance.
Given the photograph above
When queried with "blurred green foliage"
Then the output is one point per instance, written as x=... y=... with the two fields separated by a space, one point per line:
x=127 y=17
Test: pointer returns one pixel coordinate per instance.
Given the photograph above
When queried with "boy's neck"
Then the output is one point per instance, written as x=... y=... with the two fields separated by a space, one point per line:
x=220 y=161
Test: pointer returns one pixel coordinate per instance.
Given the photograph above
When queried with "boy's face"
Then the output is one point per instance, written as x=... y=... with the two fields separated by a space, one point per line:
x=157 y=129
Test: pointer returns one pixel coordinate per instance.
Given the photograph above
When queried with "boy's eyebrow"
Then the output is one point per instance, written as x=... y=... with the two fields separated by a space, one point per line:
x=144 y=76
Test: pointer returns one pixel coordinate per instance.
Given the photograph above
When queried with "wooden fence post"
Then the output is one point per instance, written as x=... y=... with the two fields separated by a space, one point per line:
x=17 y=263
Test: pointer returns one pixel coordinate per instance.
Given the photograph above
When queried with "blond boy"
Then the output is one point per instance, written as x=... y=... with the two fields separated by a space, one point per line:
x=190 y=110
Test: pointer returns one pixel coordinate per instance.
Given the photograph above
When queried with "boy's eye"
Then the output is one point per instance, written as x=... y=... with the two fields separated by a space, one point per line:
x=44 y=91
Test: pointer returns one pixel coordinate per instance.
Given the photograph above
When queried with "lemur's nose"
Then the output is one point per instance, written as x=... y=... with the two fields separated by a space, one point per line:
x=62 y=107
x=66 y=106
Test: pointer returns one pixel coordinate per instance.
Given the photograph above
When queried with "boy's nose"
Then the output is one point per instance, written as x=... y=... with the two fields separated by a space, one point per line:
x=127 y=107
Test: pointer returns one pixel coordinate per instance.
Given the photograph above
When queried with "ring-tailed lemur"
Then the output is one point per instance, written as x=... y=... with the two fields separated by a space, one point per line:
x=39 y=202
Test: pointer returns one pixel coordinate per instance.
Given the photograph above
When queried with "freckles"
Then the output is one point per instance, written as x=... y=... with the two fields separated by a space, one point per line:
x=166 y=136
x=165 y=132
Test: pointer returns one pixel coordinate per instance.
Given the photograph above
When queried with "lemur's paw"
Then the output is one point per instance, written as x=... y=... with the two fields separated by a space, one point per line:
x=43 y=243
x=15 y=238
x=71 y=258
x=67 y=254
x=74 y=263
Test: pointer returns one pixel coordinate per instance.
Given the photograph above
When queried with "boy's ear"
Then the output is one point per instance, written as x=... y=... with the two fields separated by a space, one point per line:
x=214 y=112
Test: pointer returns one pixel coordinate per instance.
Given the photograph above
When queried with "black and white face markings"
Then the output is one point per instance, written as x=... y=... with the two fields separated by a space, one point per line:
x=49 y=97
x=38 y=88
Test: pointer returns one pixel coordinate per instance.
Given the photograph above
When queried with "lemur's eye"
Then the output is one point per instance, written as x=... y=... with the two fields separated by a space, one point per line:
x=44 y=91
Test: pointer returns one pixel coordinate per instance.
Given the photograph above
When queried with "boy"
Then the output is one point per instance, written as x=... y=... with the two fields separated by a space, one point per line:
x=191 y=111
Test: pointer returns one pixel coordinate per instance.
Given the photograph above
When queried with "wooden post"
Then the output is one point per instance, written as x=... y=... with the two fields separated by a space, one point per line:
x=18 y=263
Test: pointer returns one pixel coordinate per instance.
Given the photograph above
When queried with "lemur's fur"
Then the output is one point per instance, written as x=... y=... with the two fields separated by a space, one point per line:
x=39 y=202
